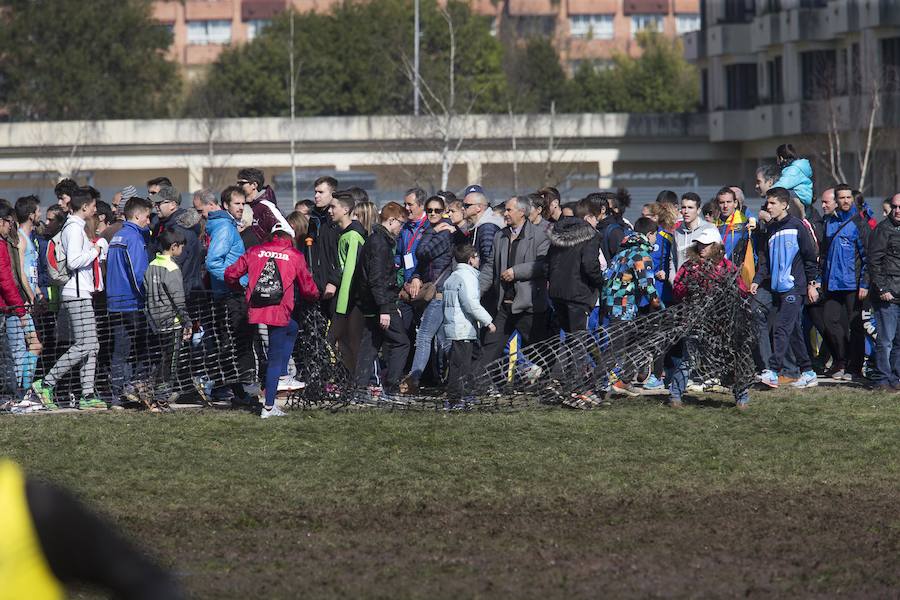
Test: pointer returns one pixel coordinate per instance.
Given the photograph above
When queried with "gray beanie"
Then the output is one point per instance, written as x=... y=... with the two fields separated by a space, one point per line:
x=128 y=192
x=167 y=193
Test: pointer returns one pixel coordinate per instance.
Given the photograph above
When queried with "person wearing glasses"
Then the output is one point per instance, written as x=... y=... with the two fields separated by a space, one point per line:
x=484 y=227
x=884 y=275
x=376 y=288
x=434 y=261
x=173 y=217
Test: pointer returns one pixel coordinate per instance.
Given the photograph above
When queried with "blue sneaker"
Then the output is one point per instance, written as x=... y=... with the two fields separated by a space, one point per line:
x=769 y=378
x=653 y=383
x=807 y=379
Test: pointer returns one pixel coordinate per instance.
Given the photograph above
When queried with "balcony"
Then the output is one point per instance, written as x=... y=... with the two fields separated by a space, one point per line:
x=728 y=38
x=731 y=125
x=877 y=13
x=805 y=24
x=694 y=46
x=841 y=17
x=766 y=31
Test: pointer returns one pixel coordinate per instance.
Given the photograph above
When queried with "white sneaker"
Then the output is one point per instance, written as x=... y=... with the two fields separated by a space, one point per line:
x=273 y=412
x=286 y=383
x=25 y=407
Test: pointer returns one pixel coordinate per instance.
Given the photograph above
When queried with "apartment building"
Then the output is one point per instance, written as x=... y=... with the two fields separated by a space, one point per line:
x=582 y=30
x=799 y=70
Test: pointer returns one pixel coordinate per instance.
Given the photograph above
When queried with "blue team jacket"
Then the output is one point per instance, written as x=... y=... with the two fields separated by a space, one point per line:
x=125 y=266
x=844 y=266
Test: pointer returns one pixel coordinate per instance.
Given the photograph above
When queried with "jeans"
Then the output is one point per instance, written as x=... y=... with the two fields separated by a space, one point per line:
x=15 y=336
x=126 y=328
x=764 y=314
x=788 y=333
x=432 y=319
x=281 y=346
x=7 y=377
x=84 y=348
x=887 y=342
x=678 y=371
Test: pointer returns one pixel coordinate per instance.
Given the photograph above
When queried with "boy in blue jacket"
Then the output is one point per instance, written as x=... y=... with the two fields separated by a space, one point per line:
x=789 y=264
x=125 y=266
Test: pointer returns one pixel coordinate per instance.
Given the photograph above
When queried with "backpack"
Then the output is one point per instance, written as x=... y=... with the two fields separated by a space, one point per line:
x=269 y=289
x=57 y=271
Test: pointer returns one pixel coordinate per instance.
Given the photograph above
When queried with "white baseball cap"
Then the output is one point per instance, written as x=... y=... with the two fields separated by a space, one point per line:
x=708 y=235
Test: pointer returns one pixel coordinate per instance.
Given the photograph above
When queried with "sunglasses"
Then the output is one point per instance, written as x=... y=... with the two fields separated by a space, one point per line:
x=465 y=205
x=242 y=182
x=434 y=211
x=895 y=207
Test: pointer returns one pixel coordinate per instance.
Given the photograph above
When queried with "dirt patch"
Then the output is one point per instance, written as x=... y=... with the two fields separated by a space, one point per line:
x=816 y=542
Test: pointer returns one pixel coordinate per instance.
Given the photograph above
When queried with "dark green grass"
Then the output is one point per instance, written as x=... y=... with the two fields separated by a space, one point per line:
x=211 y=493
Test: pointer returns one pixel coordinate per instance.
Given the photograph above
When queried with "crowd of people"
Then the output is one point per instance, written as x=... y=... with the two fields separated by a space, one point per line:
x=425 y=292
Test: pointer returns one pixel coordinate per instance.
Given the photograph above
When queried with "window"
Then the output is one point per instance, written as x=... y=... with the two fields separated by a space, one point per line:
x=776 y=80
x=597 y=64
x=209 y=32
x=819 y=73
x=740 y=86
x=890 y=62
x=646 y=22
x=592 y=27
x=687 y=22
x=739 y=11
x=528 y=26
x=255 y=27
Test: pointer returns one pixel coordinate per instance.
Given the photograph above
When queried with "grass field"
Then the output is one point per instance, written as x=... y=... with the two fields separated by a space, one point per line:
x=796 y=497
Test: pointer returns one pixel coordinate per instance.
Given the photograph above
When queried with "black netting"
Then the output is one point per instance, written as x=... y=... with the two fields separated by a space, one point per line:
x=219 y=348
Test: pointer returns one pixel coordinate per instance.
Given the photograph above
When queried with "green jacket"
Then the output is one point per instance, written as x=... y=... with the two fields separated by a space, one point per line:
x=349 y=243
x=164 y=287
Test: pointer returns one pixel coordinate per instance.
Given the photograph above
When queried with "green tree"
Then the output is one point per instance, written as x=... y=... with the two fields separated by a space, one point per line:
x=587 y=91
x=354 y=61
x=536 y=77
x=71 y=59
x=660 y=80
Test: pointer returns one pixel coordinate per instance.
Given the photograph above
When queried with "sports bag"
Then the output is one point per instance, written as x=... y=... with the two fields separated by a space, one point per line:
x=269 y=290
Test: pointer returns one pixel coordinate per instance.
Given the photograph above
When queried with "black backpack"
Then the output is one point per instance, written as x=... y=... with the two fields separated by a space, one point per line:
x=268 y=290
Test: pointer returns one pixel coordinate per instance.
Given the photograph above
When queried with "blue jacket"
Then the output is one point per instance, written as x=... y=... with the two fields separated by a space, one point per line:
x=661 y=255
x=789 y=261
x=125 y=266
x=407 y=243
x=797 y=178
x=844 y=252
x=225 y=247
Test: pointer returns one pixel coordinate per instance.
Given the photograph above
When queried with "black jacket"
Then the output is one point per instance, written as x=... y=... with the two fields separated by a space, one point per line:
x=613 y=230
x=574 y=261
x=376 y=287
x=321 y=254
x=192 y=259
x=884 y=259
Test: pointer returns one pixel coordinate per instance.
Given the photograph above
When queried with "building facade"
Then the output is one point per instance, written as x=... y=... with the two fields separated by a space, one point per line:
x=822 y=74
x=582 y=30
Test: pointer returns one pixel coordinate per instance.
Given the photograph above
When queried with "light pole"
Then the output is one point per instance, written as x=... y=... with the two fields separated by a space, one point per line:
x=416 y=62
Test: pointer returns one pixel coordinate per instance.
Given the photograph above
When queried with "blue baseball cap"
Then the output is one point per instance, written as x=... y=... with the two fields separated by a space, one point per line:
x=473 y=189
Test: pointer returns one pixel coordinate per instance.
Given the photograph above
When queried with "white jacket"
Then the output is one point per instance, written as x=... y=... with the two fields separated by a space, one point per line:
x=80 y=256
x=462 y=304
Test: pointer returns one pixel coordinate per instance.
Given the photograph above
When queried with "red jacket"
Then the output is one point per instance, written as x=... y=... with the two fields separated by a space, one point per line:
x=292 y=267
x=9 y=291
x=703 y=278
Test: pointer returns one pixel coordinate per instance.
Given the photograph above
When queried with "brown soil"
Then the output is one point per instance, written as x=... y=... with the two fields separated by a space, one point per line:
x=809 y=543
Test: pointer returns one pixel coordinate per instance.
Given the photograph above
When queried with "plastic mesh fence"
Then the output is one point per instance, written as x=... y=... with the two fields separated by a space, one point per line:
x=122 y=350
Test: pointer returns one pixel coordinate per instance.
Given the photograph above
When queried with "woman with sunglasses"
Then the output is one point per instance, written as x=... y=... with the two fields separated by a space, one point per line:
x=434 y=258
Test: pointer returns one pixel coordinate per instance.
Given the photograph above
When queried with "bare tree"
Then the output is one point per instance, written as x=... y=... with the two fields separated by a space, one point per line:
x=444 y=114
x=848 y=109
